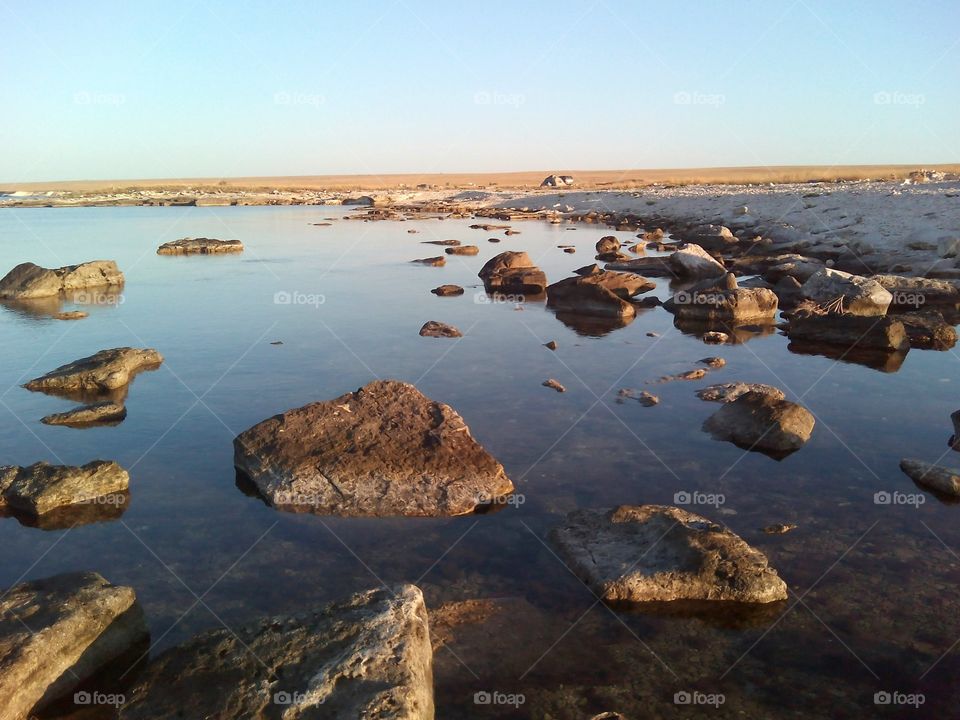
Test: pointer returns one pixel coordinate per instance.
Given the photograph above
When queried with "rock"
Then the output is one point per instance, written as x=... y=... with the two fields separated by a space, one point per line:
x=728 y=392
x=912 y=292
x=450 y=243
x=364 y=200
x=432 y=328
x=366 y=657
x=692 y=261
x=200 y=246
x=604 y=294
x=696 y=374
x=714 y=362
x=27 y=281
x=643 y=397
x=512 y=272
x=41 y=487
x=867 y=333
x=724 y=302
x=70 y=315
x=758 y=421
x=447 y=290
x=607 y=244
x=588 y=270
x=928 y=330
x=382 y=450
x=570 y=250
x=713 y=237
x=714 y=337
x=106 y=370
x=438 y=261
x=653 y=235
x=463 y=250
x=780 y=529
x=646 y=553
x=95 y=414
x=493 y=240
x=58 y=632
x=552 y=345
x=941 y=479
x=861 y=296
x=948 y=247
x=637 y=249
x=797 y=267
x=554 y=385
x=557 y=181
x=649 y=266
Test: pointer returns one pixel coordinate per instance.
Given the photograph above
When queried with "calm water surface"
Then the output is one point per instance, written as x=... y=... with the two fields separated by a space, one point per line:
x=873 y=603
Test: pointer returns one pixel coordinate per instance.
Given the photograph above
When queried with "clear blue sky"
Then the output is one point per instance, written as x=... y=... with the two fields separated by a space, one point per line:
x=183 y=89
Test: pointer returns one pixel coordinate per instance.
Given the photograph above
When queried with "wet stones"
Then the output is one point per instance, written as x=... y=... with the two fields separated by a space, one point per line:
x=41 y=488
x=646 y=553
x=761 y=421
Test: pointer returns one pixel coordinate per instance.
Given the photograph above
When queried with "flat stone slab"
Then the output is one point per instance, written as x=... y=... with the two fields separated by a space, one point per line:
x=385 y=449
x=646 y=553
x=366 y=657
x=942 y=479
x=41 y=488
x=102 y=372
x=199 y=246
x=103 y=413
x=27 y=280
x=728 y=392
x=57 y=632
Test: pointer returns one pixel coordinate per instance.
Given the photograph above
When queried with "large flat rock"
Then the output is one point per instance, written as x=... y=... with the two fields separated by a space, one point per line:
x=199 y=246
x=368 y=657
x=57 y=632
x=645 y=553
x=762 y=421
x=41 y=488
x=385 y=449
x=102 y=372
x=28 y=281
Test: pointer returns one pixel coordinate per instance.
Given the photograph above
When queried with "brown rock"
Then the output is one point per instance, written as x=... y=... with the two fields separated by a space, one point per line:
x=200 y=246
x=433 y=328
x=447 y=290
x=759 y=421
x=96 y=414
x=27 y=281
x=106 y=370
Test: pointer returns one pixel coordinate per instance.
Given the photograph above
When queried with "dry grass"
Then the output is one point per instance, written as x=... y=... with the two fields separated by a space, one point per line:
x=585 y=179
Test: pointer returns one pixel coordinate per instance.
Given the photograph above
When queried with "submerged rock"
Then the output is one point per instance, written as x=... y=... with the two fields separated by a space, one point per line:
x=433 y=328
x=199 y=246
x=644 y=553
x=942 y=479
x=861 y=295
x=41 y=488
x=463 y=250
x=105 y=371
x=447 y=290
x=928 y=330
x=554 y=385
x=70 y=315
x=366 y=657
x=96 y=414
x=438 y=261
x=449 y=243
x=385 y=449
x=512 y=272
x=728 y=392
x=57 y=633
x=27 y=281
x=761 y=421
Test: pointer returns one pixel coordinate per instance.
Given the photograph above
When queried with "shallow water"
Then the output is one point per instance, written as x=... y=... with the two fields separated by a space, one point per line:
x=873 y=604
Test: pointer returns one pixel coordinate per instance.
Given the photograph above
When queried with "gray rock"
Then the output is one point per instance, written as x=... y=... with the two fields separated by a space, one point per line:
x=438 y=261
x=199 y=246
x=366 y=657
x=433 y=328
x=382 y=450
x=659 y=553
x=27 y=281
x=102 y=413
x=41 y=488
x=57 y=632
x=861 y=295
x=692 y=261
x=941 y=479
x=761 y=421
x=728 y=392
x=105 y=371
x=911 y=292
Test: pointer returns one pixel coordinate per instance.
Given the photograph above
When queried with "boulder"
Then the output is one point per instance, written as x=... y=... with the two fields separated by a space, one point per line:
x=928 y=330
x=27 y=281
x=861 y=295
x=366 y=657
x=650 y=266
x=385 y=449
x=41 y=488
x=57 y=633
x=911 y=292
x=943 y=480
x=728 y=392
x=646 y=553
x=713 y=237
x=725 y=302
x=605 y=294
x=761 y=421
x=447 y=290
x=588 y=270
x=851 y=331
x=512 y=272
x=557 y=181
x=607 y=244
x=199 y=246
x=105 y=371
x=463 y=250
x=692 y=261
x=96 y=414
x=433 y=328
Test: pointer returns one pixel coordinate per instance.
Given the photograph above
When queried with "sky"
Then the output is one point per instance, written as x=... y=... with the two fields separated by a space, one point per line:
x=111 y=90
